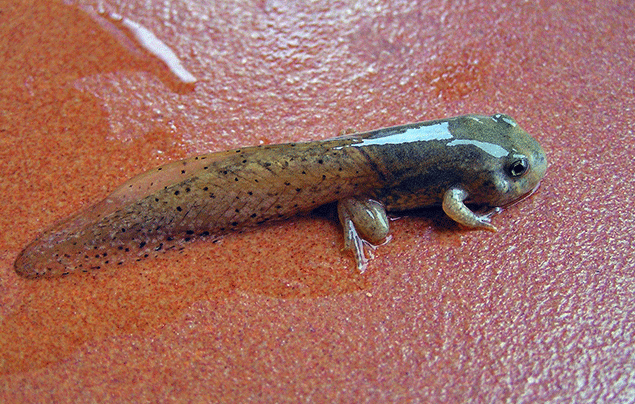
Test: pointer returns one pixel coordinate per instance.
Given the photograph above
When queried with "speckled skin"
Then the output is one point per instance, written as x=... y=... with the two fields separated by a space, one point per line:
x=212 y=194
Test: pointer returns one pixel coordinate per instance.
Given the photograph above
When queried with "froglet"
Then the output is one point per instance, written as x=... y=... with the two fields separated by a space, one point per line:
x=486 y=161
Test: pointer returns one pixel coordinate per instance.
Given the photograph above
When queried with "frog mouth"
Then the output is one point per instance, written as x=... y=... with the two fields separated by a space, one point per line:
x=490 y=211
x=522 y=197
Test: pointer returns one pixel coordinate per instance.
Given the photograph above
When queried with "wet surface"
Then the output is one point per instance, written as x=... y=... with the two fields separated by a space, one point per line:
x=539 y=311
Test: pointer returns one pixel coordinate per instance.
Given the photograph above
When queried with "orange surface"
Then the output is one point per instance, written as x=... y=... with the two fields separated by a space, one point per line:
x=542 y=310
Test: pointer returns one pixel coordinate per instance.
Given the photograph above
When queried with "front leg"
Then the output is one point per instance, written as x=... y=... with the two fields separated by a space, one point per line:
x=454 y=207
x=365 y=224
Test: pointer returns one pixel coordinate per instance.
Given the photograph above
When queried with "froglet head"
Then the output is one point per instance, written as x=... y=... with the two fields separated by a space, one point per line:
x=516 y=162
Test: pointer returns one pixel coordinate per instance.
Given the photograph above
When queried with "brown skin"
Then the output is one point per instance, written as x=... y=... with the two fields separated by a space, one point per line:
x=484 y=160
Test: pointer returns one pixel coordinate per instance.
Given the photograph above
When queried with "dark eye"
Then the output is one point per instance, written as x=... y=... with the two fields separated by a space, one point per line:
x=518 y=167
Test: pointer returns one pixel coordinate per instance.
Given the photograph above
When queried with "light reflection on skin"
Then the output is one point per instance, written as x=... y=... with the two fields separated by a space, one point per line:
x=492 y=149
x=439 y=131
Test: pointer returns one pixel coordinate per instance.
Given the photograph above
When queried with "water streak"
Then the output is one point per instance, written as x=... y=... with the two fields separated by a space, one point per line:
x=137 y=38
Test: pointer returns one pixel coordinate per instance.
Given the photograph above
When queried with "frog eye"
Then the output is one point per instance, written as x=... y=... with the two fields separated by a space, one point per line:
x=518 y=167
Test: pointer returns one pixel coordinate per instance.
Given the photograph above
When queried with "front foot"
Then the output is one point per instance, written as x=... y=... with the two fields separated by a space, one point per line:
x=454 y=207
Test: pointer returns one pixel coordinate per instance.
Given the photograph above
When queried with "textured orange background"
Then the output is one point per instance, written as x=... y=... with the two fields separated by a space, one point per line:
x=540 y=311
